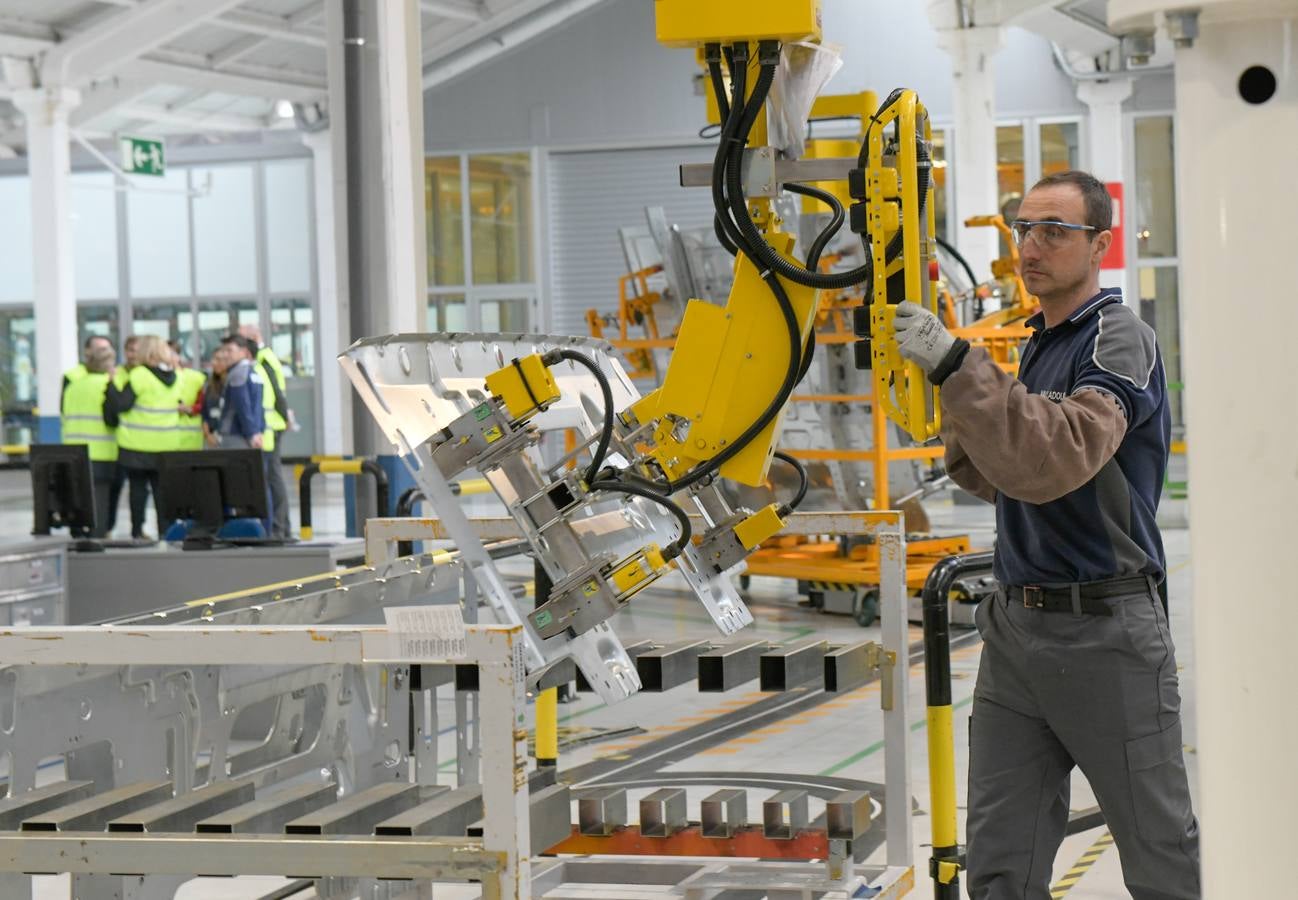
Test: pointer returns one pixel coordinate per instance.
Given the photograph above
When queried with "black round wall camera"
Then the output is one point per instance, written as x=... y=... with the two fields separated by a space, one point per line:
x=1257 y=84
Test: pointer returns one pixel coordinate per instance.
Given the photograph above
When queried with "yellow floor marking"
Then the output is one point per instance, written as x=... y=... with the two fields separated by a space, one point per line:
x=1082 y=866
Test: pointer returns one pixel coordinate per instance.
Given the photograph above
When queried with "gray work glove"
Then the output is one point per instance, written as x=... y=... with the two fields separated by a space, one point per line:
x=923 y=340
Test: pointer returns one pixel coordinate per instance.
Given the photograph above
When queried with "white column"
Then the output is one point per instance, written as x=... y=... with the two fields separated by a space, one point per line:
x=401 y=114
x=1237 y=222
x=973 y=163
x=333 y=328
x=46 y=111
x=1105 y=143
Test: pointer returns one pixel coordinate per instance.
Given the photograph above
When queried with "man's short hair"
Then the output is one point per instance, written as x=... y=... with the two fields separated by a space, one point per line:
x=100 y=359
x=238 y=340
x=90 y=341
x=1099 y=205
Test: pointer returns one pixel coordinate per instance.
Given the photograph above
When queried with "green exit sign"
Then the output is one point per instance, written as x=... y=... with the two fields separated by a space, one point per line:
x=141 y=156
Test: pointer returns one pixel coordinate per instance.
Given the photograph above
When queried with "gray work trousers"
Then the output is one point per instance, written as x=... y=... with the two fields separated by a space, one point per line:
x=1057 y=690
x=278 y=492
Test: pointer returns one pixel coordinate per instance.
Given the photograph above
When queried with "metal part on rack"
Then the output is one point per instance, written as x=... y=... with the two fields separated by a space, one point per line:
x=724 y=812
x=784 y=814
x=602 y=810
x=848 y=816
x=669 y=665
x=729 y=665
x=662 y=813
x=790 y=665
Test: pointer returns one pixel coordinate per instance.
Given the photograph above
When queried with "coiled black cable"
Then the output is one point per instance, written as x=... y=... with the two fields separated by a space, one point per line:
x=959 y=257
x=802 y=482
x=827 y=233
x=676 y=547
x=752 y=239
x=606 y=392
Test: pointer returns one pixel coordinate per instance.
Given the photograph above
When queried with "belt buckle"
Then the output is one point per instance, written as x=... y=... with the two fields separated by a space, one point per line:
x=1034 y=596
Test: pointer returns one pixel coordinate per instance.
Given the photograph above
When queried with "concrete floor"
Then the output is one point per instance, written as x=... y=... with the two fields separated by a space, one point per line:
x=839 y=738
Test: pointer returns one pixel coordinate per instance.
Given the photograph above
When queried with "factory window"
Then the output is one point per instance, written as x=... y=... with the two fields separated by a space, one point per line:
x=1155 y=212
x=941 y=184
x=505 y=315
x=287 y=184
x=216 y=320
x=1060 y=148
x=446 y=312
x=500 y=212
x=443 y=202
x=1160 y=310
x=15 y=239
x=480 y=209
x=292 y=336
x=1010 y=177
x=98 y=319
x=17 y=373
x=94 y=235
x=158 y=237
x=225 y=231
x=169 y=321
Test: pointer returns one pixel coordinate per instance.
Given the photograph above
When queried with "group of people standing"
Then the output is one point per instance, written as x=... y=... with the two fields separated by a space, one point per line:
x=154 y=403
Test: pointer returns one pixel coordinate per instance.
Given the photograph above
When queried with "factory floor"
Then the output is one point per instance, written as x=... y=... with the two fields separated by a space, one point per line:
x=652 y=736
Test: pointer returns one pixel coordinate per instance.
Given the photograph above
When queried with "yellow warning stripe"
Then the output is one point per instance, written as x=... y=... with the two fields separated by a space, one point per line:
x=1082 y=866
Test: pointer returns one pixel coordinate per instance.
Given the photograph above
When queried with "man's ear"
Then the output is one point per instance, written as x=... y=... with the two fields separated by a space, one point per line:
x=1102 y=242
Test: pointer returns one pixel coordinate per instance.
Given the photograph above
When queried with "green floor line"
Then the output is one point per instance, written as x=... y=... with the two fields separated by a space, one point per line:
x=878 y=745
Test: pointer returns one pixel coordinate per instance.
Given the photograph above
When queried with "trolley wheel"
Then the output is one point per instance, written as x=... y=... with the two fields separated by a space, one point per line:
x=867 y=608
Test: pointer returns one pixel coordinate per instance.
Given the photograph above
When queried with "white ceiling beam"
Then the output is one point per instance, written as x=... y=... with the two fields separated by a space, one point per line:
x=467 y=49
x=229 y=81
x=455 y=9
x=104 y=97
x=269 y=26
x=192 y=118
x=236 y=50
x=20 y=37
x=115 y=41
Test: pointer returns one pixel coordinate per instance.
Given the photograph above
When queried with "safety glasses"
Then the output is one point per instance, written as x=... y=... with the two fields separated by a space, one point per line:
x=1046 y=234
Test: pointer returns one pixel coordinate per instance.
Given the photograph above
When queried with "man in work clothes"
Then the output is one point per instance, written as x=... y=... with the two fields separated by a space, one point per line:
x=1078 y=667
x=85 y=390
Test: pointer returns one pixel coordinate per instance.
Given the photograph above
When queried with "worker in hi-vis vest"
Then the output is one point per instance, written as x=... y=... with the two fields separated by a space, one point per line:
x=275 y=404
x=189 y=385
x=85 y=391
x=146 y=413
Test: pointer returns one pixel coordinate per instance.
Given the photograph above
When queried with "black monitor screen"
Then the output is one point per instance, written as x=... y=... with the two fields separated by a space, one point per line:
x=209 y=486
x=63 y=493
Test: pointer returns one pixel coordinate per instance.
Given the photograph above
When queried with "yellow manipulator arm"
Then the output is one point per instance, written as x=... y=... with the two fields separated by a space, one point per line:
x=895 y=209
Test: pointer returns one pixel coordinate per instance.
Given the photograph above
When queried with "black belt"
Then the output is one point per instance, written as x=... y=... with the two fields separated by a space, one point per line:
x=1091 y=595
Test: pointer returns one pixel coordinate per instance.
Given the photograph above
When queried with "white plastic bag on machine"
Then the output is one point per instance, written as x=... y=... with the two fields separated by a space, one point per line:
x=804 y=70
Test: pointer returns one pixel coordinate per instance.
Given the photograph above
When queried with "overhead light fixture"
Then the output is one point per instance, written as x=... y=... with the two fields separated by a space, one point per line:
x=284 y=109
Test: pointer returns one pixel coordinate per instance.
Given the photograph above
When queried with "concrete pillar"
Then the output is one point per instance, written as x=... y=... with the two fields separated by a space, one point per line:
x=1105 y=143
x=376 y=122
x=1236 y=222
x=973 y=162
x=46 y=111
x=333 y=331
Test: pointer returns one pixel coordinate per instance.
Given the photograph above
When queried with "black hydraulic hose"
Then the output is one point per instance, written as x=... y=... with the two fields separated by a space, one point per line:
x=959 y=257
x=606 y=391
x=725 y=226
x=752 y=239
x=802 y=482
x=713 y=52
x=808 y=353
x=827 y=233
x=677 y=547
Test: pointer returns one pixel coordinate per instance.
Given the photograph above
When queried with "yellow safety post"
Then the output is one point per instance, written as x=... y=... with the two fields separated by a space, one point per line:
x=547 y=728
